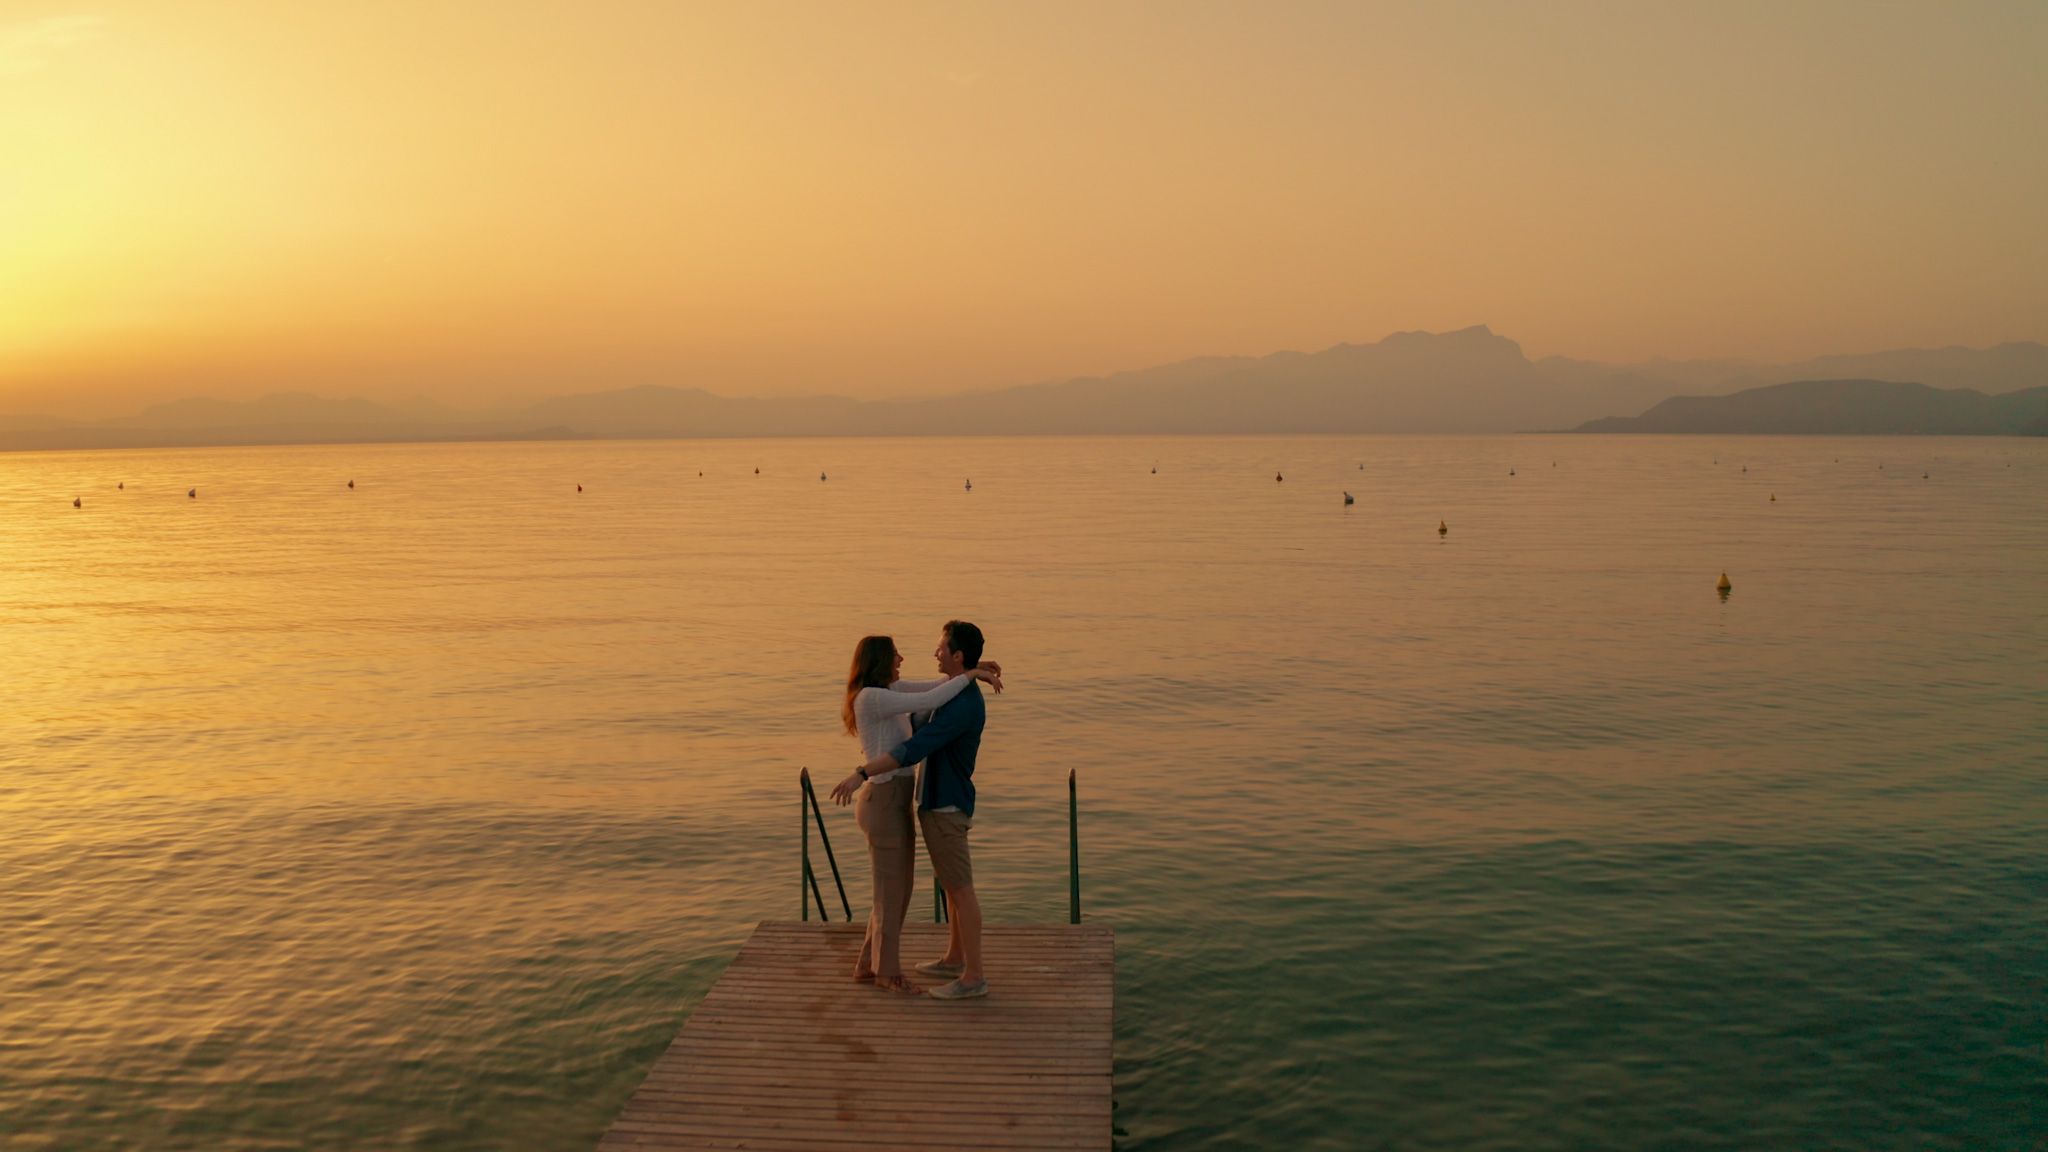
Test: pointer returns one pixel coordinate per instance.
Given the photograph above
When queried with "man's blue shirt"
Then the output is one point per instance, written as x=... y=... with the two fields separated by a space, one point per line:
x=947 y=745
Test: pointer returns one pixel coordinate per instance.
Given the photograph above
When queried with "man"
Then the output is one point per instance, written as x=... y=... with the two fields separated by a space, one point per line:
x=945 y=808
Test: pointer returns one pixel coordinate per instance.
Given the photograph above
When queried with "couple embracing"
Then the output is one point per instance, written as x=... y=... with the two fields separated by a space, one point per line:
x=950 y=712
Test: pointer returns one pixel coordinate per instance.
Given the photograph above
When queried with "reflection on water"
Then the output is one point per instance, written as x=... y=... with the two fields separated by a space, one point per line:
x=347 y=817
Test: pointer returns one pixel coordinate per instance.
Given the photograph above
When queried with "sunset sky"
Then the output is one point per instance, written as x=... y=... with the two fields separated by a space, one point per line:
x=491 y=201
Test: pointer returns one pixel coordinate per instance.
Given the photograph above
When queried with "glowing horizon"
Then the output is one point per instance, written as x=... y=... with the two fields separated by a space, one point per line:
x=899 y=200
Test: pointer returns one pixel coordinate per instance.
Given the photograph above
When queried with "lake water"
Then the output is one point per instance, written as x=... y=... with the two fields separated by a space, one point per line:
x=419 y=815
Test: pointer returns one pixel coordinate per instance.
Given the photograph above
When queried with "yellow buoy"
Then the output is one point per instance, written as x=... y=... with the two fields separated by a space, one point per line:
x=1724 y=585
x=1442 y=528
x=1774 y=497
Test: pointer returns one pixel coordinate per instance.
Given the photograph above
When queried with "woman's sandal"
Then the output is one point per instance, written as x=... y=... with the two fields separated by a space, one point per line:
x=898 y=984
x=863 y=977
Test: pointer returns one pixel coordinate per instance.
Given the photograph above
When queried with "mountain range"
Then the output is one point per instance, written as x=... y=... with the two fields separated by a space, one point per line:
x=1467 y=381
x=1845 y=408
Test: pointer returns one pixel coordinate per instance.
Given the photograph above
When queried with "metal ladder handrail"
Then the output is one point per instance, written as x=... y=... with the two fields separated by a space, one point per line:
x=1073 y=852
x=1073 y=862
x=808 y=811
x=807 y=808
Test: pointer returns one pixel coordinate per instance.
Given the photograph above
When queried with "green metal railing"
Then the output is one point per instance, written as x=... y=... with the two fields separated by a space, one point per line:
x=808 y=810
x=1073 y=852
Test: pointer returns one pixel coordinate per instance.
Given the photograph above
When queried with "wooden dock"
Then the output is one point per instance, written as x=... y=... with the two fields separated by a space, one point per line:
x=786 y=1052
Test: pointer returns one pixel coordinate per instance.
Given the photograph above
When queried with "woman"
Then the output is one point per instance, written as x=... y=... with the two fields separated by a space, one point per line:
x=877 y=710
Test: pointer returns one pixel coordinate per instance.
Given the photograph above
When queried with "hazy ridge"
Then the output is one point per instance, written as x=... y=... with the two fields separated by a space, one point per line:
x=1467 y=381
x=1844 y=408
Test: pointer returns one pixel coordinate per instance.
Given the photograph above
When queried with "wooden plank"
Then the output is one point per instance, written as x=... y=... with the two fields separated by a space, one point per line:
x=759 y=1068
x=744 y=1095
x=775 y=1073
x=787 y=1052
x=993 y=1126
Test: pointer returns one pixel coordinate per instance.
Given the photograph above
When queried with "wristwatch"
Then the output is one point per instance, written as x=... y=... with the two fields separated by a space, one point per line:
x=863 y=770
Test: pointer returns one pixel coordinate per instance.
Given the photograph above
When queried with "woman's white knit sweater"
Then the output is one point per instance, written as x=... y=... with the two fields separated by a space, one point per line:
x=882 y=715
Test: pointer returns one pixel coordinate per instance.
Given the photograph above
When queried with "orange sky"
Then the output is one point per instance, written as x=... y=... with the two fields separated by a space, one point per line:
x=488 y=201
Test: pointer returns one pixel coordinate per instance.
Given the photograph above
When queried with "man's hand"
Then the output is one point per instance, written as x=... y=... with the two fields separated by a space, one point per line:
x=843 y=792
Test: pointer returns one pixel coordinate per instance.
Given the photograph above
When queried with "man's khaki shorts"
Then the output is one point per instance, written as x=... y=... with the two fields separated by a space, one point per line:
x=945 y=837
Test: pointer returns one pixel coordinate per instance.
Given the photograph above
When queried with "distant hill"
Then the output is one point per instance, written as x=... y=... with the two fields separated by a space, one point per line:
x=1844 y=408
x=283 y=408
x=1997 y=369
x=654 y=410
x=1470 y=380
x=1467 y=381
x=283 y=418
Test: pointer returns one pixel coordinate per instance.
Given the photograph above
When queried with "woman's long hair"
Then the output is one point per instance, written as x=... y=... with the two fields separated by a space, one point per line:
x=874 y=666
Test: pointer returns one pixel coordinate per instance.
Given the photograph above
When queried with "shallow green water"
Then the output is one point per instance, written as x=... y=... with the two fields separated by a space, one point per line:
x=419 y=815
